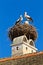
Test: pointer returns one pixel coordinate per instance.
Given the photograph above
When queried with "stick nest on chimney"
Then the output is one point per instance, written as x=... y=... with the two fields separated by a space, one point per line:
x=22 y=29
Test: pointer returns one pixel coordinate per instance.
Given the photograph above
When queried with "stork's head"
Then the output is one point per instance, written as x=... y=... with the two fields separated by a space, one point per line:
x=25 y=13
x=21 y=17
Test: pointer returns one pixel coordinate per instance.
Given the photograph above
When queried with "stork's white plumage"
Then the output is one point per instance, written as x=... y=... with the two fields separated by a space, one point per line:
x=25 y=14
x=19 y=20
x=21 y=17
x=28 y=17
x=26 y=22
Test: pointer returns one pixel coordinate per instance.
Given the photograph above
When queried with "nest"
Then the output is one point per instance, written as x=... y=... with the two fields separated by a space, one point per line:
x=22 y=29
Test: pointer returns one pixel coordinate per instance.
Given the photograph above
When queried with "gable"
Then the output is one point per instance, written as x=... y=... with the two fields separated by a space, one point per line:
x=19 y=40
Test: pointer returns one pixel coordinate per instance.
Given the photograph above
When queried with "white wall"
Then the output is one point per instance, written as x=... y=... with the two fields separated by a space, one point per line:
x=21 y=50
x=16 y=52
x=29 y=50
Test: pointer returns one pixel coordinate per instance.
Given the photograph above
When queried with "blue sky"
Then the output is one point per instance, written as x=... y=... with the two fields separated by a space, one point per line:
x=9 y=13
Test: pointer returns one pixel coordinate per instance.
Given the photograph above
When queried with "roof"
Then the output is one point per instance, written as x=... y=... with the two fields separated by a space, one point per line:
x=20 y=57
x=33 y=47
x=18 y=40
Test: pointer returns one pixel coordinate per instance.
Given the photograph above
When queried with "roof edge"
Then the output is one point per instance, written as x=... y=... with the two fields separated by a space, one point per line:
x=19 y=57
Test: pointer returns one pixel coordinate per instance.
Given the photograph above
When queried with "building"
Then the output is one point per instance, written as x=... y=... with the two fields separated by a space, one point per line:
x=21 y=45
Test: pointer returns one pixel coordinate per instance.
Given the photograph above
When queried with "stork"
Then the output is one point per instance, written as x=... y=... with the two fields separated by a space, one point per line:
x=19 y=20
x=28 y=17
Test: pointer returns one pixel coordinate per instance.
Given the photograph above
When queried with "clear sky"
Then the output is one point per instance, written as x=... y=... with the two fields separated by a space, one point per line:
x=9 y=13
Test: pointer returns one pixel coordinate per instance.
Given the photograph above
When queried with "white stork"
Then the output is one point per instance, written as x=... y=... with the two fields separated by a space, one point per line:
x=28 y=17
x=19 y=20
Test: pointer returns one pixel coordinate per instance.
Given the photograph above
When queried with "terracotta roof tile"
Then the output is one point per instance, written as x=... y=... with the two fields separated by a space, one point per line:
x=19 y=57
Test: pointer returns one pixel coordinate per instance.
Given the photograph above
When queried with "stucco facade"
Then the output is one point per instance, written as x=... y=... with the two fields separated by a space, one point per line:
x=16 y=52
x=21 y=45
